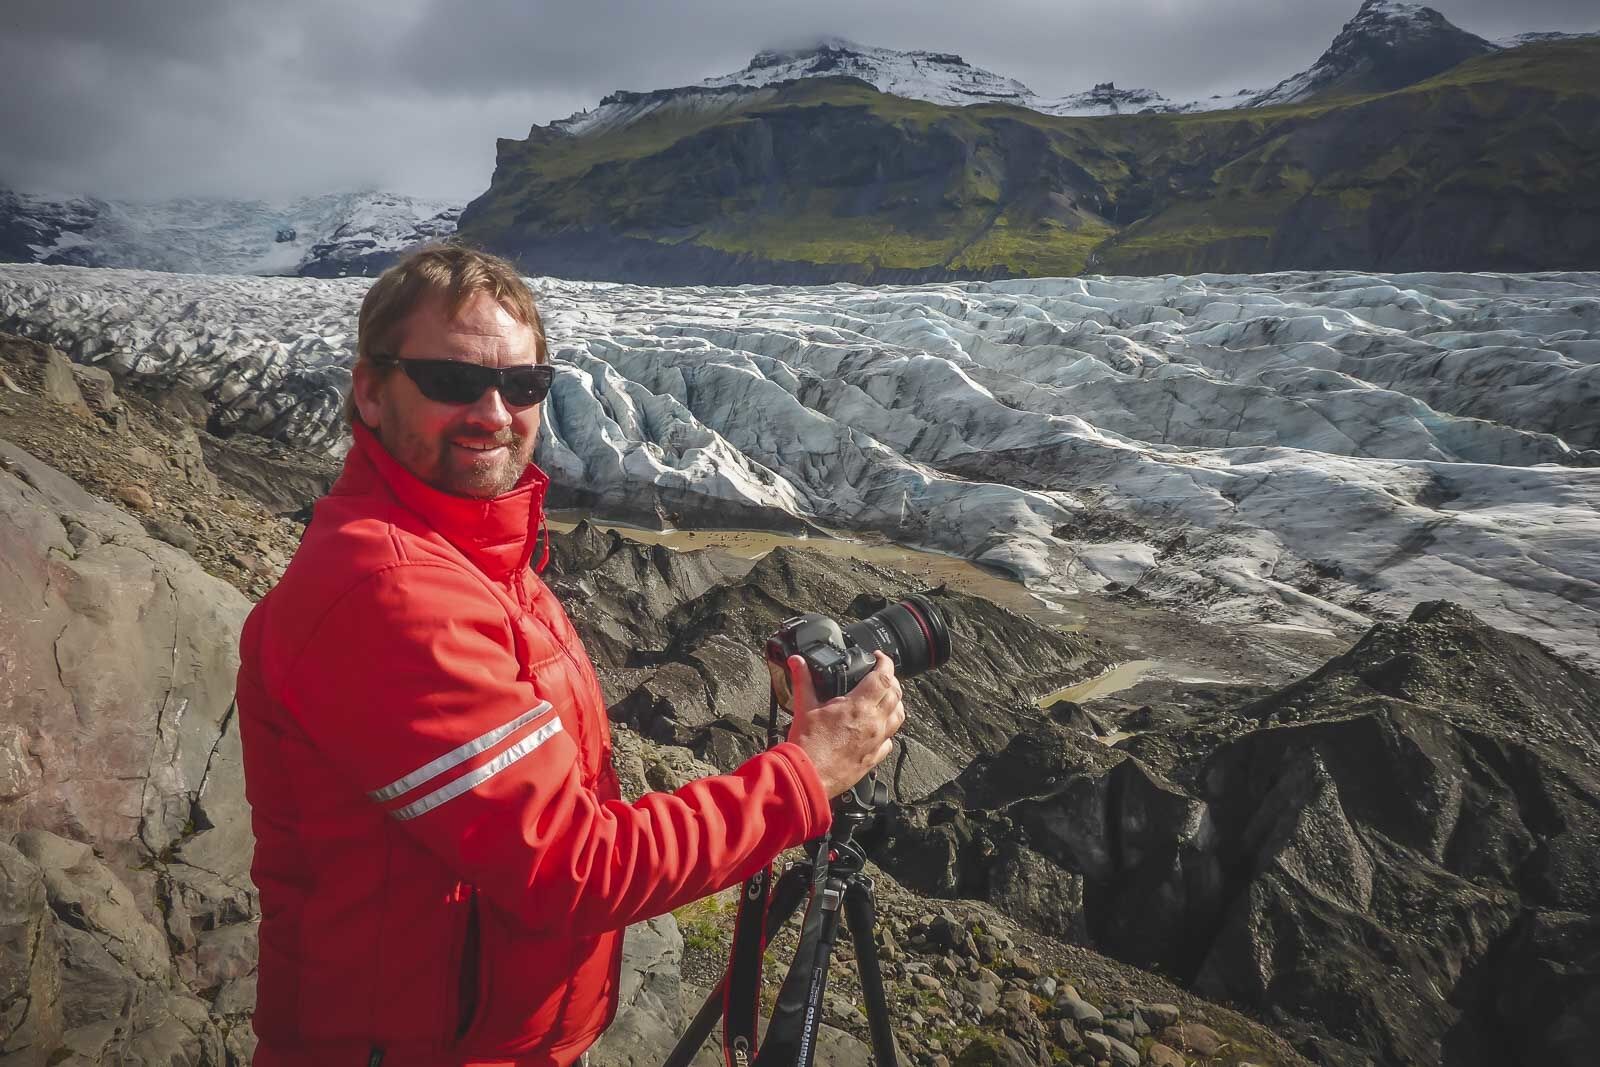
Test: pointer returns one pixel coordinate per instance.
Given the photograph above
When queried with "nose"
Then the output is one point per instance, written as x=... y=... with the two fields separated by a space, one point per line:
x=488 y=412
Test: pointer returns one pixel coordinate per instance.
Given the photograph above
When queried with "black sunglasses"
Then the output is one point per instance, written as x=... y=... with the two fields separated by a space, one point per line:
x=451 y=381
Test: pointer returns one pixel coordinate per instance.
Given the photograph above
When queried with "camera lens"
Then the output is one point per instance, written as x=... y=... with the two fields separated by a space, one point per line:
x=914 y=633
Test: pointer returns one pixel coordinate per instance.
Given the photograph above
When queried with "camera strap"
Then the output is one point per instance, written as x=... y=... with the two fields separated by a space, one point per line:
x=741 y=1005
x=796 y=1018
x=742 y=991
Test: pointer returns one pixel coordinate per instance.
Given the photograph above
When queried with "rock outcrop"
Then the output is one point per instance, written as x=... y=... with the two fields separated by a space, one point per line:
x=86 y=978
x=119 y=656
x=681 y=657
x=1385 y=857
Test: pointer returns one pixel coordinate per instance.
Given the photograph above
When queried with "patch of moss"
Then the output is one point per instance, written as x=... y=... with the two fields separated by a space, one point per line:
x=1046 y=249
x=707 y=924
x=821 y=238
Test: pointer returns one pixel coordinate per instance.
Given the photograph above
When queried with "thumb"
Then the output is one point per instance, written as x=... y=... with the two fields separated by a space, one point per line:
x=805 y=694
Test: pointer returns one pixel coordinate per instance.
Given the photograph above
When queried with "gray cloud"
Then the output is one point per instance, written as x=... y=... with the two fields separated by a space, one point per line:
x=165 y=97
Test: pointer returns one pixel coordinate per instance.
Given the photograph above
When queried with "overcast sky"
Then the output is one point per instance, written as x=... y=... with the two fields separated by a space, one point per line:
x=153 y=98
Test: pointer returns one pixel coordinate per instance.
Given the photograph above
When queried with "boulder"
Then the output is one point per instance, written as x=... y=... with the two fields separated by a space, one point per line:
x=1159 y=1015
x=42 y=370
x=120 y=776
x=118 y=680
x=650 y=1013
x=1079 y=1011
x=1110 y=1048
x=99 y=392
x=1160 y=1055
x=993 y=1050
x=1197 y=1038
x=94 y=979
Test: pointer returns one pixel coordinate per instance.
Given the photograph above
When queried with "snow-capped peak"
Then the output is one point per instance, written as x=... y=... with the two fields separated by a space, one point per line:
x=1388 y=44
x=937 y=77
x=1544 y=37
x=942 y=78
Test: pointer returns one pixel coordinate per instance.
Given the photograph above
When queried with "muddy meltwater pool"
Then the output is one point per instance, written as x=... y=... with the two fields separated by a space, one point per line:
x=932 y=567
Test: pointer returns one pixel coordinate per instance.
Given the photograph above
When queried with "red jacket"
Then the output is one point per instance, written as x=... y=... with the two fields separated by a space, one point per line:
x=444 y=863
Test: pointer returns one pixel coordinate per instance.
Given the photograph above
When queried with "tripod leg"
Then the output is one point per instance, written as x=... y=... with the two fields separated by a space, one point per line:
x=797 y=1019
x=860 y=916
x=786 y=898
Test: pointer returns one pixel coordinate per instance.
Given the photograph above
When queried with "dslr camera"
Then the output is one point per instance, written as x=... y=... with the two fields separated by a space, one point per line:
x=914 y=633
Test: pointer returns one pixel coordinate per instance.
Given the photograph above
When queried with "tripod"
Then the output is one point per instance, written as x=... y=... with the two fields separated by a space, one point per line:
x=836 y=886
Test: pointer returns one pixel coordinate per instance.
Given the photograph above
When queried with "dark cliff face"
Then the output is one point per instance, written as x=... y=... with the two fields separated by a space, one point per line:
x=1465 y=172
x=1484 y=167
x=1387 y=858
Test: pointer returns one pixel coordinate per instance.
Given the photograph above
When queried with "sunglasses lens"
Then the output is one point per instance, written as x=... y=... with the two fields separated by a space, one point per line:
x=522 y=386
x=448 y=381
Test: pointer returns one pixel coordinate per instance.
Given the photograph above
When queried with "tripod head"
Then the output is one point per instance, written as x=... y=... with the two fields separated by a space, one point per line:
x=859 y=803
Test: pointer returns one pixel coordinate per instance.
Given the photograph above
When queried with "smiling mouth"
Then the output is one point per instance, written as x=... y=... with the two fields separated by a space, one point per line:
x=479 y=446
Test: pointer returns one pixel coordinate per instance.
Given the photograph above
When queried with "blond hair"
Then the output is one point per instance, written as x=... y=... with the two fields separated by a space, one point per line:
x=456 y=273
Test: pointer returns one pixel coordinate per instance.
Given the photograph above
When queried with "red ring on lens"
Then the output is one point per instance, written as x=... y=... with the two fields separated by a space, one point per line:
x=927 y=633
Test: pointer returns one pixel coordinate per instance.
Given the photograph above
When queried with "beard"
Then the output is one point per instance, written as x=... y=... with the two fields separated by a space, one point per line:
x=484 y=467
x=464 y=463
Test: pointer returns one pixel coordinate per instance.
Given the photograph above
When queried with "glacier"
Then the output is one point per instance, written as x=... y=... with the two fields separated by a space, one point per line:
x=327 y=235
x=1301 y=449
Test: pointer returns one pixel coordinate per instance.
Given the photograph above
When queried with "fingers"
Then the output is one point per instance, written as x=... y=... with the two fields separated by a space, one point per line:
x=803 y=692
x=885 y=664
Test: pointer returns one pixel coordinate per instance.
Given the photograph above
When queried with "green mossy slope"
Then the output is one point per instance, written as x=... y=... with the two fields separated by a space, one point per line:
x=1490 y=165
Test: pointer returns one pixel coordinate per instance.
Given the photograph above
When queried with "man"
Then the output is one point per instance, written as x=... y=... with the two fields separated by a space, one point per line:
x=444 y=862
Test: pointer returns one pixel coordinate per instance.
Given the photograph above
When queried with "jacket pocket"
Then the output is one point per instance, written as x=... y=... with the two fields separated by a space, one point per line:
x=469 y=971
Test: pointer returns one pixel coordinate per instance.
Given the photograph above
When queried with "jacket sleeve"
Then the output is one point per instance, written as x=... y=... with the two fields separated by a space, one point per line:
x=411 y=687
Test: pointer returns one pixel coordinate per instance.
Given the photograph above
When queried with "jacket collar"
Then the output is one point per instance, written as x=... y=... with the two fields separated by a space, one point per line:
x=496 y=534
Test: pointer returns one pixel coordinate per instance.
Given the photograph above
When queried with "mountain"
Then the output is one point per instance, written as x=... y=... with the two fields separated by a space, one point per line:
x=1388 y=45
x=375 y=229
x=1486 y=166
x=934 y=77
x=1107 y=99
x=1521 y=39
x=325 y=236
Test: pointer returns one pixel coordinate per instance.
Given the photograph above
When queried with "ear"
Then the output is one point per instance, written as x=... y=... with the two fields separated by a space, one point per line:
x=366 y=391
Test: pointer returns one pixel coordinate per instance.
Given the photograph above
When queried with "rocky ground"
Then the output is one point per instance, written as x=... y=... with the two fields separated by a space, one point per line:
x=1373 y=854
x=153 y=457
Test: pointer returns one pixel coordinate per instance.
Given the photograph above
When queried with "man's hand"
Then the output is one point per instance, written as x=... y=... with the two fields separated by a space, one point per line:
x=849 y=735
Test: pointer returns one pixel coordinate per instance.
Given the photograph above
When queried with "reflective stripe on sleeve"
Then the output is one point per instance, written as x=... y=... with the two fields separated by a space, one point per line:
x=482 y=774
x=457 y=756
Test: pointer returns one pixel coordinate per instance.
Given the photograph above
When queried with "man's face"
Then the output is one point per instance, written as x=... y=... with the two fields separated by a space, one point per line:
x=478 y=449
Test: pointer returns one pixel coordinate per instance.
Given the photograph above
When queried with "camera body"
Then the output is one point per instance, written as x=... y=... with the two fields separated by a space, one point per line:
x=913 y=633
x=836 y=666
